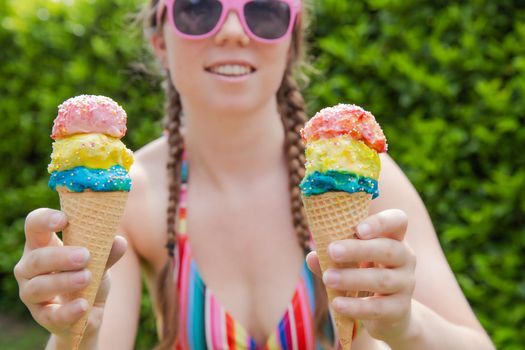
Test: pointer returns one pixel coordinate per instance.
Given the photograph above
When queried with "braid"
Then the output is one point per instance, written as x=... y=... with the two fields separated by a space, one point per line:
x=293 y=115
x=175 y=146
x=166 y=291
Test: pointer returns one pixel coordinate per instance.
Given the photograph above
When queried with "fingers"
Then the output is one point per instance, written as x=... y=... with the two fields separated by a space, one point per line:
x=44 y=288
x=40 y=226
x=385 y=251
x=65 y=258
x=51 y=259
x=60 y=317
x=392 y=270
x=371 y=308
x=390 y=223
x=103 y=291
x=49 y=270
x=120 y=244
x=117 y=251
x=312 y=260
x=376 y=280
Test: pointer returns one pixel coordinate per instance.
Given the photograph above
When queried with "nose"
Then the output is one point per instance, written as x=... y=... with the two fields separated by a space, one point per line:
x=232 y=31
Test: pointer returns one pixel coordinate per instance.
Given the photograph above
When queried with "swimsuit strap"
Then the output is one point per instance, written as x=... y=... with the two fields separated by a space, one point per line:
x=184 y=168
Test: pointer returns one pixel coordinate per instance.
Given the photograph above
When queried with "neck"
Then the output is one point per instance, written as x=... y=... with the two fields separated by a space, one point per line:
x=229 y=149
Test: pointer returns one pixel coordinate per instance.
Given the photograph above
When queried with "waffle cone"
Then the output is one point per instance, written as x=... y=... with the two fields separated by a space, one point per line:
x=334 y=216
x=93 y=219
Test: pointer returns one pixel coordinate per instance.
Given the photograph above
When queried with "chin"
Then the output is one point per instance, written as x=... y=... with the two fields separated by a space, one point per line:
x=234 y=104
x=235 y=107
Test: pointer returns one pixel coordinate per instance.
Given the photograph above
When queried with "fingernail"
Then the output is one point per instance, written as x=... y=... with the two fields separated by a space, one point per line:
x=336 y=251
x=331 y=278
x=80 y=255
x=338 y=303
x=364 y=230
x=56 y=220
x=81 y=277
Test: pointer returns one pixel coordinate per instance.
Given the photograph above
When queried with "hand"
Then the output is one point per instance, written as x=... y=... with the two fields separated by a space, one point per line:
x=48 y=270
x=387 y=272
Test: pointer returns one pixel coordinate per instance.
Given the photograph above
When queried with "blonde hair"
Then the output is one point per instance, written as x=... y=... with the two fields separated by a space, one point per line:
x=293 y=116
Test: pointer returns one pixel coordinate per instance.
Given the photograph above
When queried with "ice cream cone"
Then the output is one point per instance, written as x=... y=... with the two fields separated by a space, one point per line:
x=93 y=219
x=334 y=216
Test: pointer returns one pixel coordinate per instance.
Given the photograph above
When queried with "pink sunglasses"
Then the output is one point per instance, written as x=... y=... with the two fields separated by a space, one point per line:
x=267 y=21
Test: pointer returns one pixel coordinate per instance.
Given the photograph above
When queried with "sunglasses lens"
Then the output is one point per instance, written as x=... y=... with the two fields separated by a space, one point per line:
x=196 y=17
x=268 y=19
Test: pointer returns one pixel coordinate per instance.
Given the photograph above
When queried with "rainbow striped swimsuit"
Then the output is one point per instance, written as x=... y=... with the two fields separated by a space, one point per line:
x=205 y=324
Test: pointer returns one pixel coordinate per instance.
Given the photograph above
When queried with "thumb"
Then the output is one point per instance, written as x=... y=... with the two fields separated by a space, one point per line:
x=312 y=260
x=40 y=226
x=390 y=223
x=118 y=249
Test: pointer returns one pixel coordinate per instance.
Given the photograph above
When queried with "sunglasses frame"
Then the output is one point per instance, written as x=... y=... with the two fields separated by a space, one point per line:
x=227 y=6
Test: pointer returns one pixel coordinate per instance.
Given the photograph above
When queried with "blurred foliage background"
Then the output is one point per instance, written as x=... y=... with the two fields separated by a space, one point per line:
x=446 y=80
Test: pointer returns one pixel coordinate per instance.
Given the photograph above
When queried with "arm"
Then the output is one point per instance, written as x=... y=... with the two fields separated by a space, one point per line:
x=121 y=315
x=441 y=316
x=412 y=306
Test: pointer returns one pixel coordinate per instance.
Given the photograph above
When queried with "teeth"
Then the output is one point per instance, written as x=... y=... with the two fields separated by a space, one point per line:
x=231 y=70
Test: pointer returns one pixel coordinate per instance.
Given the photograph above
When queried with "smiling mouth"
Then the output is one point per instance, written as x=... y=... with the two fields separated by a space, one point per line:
x=231 y=70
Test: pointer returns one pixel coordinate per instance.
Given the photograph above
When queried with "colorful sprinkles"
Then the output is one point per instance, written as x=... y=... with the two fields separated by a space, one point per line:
x=79 y=179
x=319 y=183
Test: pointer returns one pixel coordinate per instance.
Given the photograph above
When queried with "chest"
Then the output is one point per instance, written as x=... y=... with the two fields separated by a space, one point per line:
x=246 y=256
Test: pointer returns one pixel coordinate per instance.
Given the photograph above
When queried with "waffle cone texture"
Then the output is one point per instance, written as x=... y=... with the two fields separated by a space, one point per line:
x=93 y=219
x=333 y=216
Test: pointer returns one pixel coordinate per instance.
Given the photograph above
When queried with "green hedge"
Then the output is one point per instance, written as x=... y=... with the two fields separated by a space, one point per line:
x=446 y=80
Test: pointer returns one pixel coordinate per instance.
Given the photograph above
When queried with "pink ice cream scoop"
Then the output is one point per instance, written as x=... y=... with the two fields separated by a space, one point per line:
x=89 y=114
x=345 y=119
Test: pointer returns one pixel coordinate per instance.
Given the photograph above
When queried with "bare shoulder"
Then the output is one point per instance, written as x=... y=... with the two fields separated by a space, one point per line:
x=397 y=192
x=394 y=187
x=153 y=155
x=143 y=221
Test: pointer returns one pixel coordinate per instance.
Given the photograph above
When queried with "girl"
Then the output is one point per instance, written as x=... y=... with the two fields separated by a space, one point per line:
x=219 y=191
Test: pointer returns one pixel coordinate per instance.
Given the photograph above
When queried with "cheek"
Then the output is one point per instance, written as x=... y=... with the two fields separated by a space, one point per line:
x=277 y=61
x=183 y=63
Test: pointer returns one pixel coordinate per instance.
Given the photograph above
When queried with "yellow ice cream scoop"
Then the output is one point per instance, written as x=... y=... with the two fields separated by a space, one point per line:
x=343 y=154
x=96 y=151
